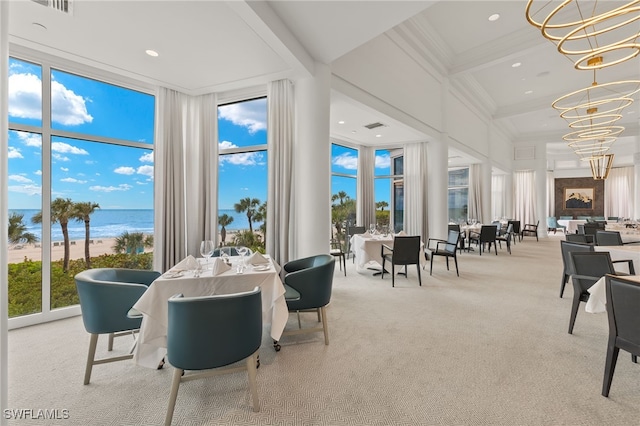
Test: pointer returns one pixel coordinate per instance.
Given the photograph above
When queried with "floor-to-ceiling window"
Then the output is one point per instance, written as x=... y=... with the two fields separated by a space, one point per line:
x=242 y=173
x=81 y=182
x=389 y=189
x=458 y=194
x=344 y=170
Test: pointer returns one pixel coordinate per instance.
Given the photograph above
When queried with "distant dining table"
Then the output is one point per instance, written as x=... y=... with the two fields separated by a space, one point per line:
x=367 y=249
x=571 y=224
x=153 y=304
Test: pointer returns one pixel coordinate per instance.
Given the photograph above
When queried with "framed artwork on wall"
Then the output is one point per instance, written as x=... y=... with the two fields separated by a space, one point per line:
x=579 y=198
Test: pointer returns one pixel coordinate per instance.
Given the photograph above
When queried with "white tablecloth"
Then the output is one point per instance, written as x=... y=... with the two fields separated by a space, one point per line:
x=621 y=253
x=367 y=250
x=572 y=225
x=598 y=297
x=152 y=341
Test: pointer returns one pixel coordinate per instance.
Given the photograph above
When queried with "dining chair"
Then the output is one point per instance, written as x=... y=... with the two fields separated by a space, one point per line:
x=530 y=229
x=566 y=217
x=589 y=267
x=567 y=267
x=337 y=252
x=487 y=236
x=351 y=231
x=553 y=225
x=516 y=229
x=456 y=227
x=209 y=332
x=623 y=299
x=447 y=248
x=506 y=236
x=106 y=297
x=308 y=285
x=405 y=251
x=577 y=238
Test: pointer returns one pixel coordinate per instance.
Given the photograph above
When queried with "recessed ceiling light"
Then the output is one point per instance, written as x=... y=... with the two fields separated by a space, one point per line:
x=528 y=92
x=378 y=136
x=515 y=65
x=341 y=122
x=151 y=53
x=353 y=131
x=494 y=17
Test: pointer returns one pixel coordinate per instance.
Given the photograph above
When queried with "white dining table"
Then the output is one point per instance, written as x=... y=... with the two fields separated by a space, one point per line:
x=571 y=224
x=367 y=250
x=597 y=302
x=622 y=253
x=153 y=304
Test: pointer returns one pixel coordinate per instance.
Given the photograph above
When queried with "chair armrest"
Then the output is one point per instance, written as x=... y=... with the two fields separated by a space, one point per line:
x=445 y=244
x=438 y=240
x=632 y=270
x=384 y=246
x=585 y=277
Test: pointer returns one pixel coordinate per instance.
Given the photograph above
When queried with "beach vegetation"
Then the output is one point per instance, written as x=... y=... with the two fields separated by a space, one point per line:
x=224 y=221
x=249 y=206
x=132 y=242
x=249 y=239
x=61 y=212
x=82 y=211
x=18 y=230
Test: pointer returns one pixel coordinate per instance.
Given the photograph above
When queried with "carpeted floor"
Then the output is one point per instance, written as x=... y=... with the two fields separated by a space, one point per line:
x=488 y=347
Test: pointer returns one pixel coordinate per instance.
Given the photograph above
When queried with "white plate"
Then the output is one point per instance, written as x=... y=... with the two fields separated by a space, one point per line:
x=260 y=267
x=176 y=274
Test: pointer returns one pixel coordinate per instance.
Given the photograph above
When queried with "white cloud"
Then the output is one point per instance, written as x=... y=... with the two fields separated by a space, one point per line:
x=145 y=170
x=38 y=172
x=72 y=180
x=30 y=139
x=67 y=149
x=14 y=153
x=25 y=101
x=383 y=161
x=147 y=158
x=252 y=115
x=243 y=159
x=141 y=183
x=226 y=145
x=26 y=189
x=20 y=178
x=124 y=170
x=347 y=161
x=64 y=169
x=60 y=157
x=121 y=187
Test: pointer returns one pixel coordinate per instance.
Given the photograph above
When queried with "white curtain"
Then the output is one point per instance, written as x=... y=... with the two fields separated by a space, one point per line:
x=280 y=140
x=415 y=190
x=169 y=200
x=618 y=190
x=524 y=197
x=475 y=193
x=551 y=194
x=366 y=213
x=498 y=196
x=201 y=154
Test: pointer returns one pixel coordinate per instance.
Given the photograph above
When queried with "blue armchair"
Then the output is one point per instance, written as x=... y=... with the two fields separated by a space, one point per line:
x=210 y=332
x=106 y=297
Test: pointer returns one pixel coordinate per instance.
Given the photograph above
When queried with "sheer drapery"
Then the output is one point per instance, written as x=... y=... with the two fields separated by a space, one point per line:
x=201 y=153
x=551 y=195
x=280 y=139
x=618 y=190
x=366 y=213
x=475 y=193
x=498 y=196
x=524 y=196
x=170 y=243
x=415 y=190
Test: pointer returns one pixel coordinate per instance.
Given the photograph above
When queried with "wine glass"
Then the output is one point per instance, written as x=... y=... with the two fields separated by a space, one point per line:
x=242 y=251
x=372 y=228
x=206 y=250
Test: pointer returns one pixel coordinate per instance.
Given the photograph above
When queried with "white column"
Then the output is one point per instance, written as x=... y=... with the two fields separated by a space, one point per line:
x=437 y=187
x=508 y=188
x=4 y=199
x=541 y=196
x=312 y=169
x=485 y=172
x=636 y=185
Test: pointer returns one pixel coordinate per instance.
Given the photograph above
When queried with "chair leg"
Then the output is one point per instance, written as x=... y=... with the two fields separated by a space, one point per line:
x=344 y=261
x=609 y=368
x=431 y=269
x=565 y=278
x=420 y=278
x=393 y=273
x=110 y=344
x=252 y=372
x=447 y=258
x=319 y=315
x=382 y=273
x=175 y=385
x=325 y=326
x=634 y=358
x=574 y=312
x=455 y=259
x=90 y=357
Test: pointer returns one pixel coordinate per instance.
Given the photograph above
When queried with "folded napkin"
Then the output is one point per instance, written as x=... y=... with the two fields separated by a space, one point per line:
x=257 y=259
x=366 y=234
x=219 y=266
x=401 y=233
x=187 y=264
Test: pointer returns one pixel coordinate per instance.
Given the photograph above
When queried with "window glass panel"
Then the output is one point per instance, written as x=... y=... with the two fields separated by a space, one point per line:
x=382 y=163
x=344 y=160
x=398 y=206
x=242 y=124
x=25 y=92
x=25 y=237
x=383 y=189
x=458 y=204
x=398 y=165
x=459 y=177
x=343 y=204
x=92 y=107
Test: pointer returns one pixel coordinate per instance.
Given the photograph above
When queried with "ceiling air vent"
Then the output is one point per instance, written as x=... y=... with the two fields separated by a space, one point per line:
x=374 y=125
x=64 y=6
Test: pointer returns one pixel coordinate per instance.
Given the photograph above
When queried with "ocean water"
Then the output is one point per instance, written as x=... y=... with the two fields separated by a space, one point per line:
x=109 y=223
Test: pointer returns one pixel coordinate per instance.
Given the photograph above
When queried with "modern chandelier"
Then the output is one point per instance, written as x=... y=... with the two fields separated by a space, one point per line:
x=593 y=35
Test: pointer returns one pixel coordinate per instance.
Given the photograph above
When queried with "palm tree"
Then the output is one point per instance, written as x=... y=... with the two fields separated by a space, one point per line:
x=132 y=242
x=61 y=212
x=247 y=205
x=342 y=196
x=223 y=221
x=18 y=230
x=261 y=216
x=82 y=211
x=381 y=205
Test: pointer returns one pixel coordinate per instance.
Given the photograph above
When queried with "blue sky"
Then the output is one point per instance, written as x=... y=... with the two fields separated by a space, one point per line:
x=345 y=161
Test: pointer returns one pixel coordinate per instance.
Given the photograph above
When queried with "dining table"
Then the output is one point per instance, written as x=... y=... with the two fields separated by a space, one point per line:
x=367 y=250
x=571 y=224
x=597 y=302
x=623 y=253
x=153 y=304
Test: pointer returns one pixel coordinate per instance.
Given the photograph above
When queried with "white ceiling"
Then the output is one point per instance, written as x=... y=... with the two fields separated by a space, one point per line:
x=207 y=46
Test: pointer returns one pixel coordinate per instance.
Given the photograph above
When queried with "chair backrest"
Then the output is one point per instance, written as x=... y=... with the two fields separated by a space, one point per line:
x=608 y=238
x=595 y=264
x=335 y=245
x=353 y=230
x=623 y=299
x=566 y=247
x=552 y=222
x=581 y=228
x=406 y=250
x=576 y=238
x=213 y=331
x=452 y=241
x=488 y=233
x=612 y=218
x=312 y=277
x=516 y=226
x=107 y=294
x=590 y=228
x=566 y=217
x=584 y=217
x=453 y=227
